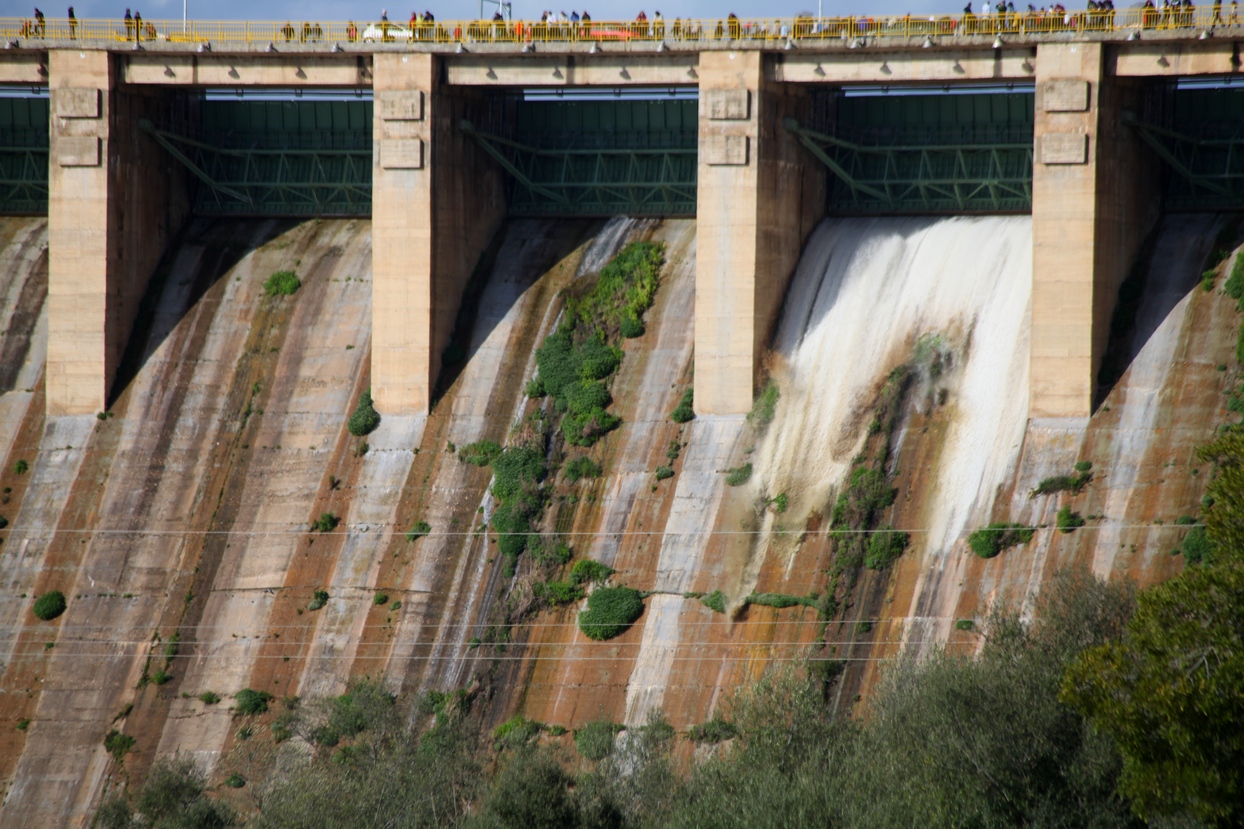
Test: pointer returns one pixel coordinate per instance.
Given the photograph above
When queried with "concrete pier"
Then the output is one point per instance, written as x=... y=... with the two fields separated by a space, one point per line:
x=114 y=202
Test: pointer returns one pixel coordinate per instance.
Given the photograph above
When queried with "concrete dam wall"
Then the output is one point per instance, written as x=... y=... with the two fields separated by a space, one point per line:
x=178 y=523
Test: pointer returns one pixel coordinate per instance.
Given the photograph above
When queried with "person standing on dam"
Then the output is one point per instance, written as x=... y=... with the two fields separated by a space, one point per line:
x=73 y=25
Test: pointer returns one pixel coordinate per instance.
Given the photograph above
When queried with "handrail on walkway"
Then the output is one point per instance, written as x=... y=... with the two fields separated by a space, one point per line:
x=1197 y=22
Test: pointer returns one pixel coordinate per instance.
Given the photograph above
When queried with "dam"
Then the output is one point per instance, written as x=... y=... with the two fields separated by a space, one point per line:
x=955 y=256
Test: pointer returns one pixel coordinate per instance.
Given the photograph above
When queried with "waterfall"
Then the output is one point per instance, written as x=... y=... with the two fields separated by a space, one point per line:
x=866 y=291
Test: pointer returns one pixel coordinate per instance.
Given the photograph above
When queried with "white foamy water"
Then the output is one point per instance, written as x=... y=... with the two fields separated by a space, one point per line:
x=865 y=291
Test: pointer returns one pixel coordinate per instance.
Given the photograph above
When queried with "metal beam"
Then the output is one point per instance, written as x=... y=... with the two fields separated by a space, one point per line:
x=602 y=181
x=923 y=178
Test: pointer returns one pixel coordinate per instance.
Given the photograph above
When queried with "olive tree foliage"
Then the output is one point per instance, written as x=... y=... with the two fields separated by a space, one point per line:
x=944 y=742
x=1170 y=694
x=954 y=741
x=173 y=797
x=365 y=763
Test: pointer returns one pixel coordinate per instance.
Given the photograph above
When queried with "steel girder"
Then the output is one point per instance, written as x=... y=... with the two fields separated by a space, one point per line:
x=594 y=181
x=279 y=181
x=23 y=179
x=1209 y=169
x=994 y=177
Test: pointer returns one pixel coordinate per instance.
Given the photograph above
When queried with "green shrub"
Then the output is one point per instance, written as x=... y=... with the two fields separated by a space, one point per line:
x=235 y=781
x=610 y=611
x=739 y=475
x=965 y=624
x=884 y=546
x=23 y=724
x=553 y=551
x=282 y=283
x=780 y=503
x=318 y=600
x=764 y=407
x=1208 y=278
x=558 y=592
x=161 y=676
x=516 y=731
x=992 y=539
x=587 y=571
x=780 y=600
x=21 y=467
x=365 y=418
x=1196 y=547
x=419 y=530
x=326 y=523
x=1234 y=285
x=534 y=388
x=209 y=698
x=1062 y=483
x=683 y=412
x=480 y=453
x=1185 y=520
x=664 y=472
x=582 y=467
x=595 y=740
x=1068 y=521
x=630 y=328
x=380 y=599
x=1083 y=466
x=118 y=744
x=50 y=605
x=715 y=601
x=715 y=730
x=624 y=289
x=251 y=702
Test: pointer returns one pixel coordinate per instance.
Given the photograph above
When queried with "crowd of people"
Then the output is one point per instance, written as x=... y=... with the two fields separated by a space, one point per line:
x=996 y=16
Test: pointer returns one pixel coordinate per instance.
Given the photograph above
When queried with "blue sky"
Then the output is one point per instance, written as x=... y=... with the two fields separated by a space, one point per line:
x=464 y=9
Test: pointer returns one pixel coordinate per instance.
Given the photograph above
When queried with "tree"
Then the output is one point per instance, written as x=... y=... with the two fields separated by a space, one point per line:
x=1171 y=694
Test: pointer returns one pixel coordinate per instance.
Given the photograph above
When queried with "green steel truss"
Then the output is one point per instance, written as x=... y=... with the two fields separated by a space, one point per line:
x=23 y=179
x=279 y=181
x=990 y=176
x=24 y=156
x=1208 y=168
x=594 y=181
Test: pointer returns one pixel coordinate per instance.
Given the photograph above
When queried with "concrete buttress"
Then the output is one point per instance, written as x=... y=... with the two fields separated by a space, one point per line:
x=114 y=202
x=1094 y=199
x=436 y=203
x=759 y=196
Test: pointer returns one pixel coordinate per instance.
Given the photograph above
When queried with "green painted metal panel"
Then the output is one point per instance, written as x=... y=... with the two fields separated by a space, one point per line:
x=283 y=158
x=936 y=153
x=1202 y=145
x=24 y=136
x=601 y=157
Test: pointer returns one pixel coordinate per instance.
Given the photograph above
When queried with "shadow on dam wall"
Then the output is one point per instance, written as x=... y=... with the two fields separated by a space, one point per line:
x=188 y=512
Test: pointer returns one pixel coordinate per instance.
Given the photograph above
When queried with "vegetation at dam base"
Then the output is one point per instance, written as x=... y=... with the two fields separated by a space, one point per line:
x=1073 y=719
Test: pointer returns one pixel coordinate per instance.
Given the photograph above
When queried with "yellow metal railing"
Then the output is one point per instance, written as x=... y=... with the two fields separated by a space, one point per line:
x=1194 y=21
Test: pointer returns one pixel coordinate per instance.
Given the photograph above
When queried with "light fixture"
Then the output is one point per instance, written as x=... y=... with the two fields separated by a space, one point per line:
x=528 y=48
x=855 y=44
x=595 y=50
x=790 y=44
x=461 y=50
x=137 y=47
x=337 y=47
x=997 y=41
x=271 y=47
x=1205 y=36
x=205 y=47
x=1134 y=36
x=928 y=42
x=661 y=47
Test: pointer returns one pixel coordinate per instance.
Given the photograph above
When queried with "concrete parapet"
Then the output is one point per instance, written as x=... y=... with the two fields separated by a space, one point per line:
x=757 y=200
x=114 y=202
x=436 y=203
x=1094 y=198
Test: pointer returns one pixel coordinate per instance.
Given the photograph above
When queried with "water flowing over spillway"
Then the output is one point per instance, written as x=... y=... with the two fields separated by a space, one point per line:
x=870 y=295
